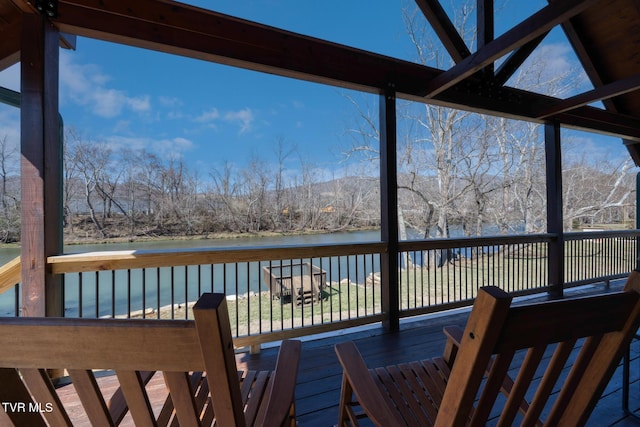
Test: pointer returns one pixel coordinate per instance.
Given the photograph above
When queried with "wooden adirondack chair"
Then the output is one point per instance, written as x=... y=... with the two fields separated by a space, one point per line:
x=196 y=359
x=462 y=387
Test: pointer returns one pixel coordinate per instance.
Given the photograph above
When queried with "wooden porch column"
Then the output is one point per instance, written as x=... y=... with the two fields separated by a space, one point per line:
x=554 y=207
x=389 y=210
x=41 y=167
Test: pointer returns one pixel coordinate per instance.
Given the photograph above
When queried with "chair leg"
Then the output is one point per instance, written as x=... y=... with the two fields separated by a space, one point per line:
x=345 y=412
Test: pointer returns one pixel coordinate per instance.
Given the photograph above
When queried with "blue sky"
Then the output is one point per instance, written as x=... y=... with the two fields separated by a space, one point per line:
x=209 y=114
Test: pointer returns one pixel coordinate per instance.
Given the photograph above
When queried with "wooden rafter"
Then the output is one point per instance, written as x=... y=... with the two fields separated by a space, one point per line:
x=601 y=93
x=444 y=28
x=485 y=22
x=485 y=28
x=594 y=71
x=529 y=29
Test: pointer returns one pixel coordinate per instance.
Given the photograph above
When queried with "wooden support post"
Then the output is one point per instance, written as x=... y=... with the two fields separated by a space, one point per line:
x=389 y=210
x=554 y=207
x=41 y=167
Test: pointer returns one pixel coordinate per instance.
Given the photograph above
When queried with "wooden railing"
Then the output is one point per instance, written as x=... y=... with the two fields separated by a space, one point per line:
x=435 y=275
x=163 y=285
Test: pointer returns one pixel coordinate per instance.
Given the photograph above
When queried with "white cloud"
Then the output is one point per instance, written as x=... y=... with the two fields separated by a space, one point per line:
x=122 y=126
x=244 y=117
x=208 y=116
x=552 y=69
x=166 y=148
x=172 y=148
x=116 y=143
x=87 y=85
x=139 y=104
x=170 y=101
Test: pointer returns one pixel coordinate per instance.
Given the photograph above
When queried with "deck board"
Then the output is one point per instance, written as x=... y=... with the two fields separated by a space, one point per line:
x=318 y=386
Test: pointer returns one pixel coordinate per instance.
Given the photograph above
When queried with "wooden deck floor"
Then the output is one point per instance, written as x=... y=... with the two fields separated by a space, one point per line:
x=318 y=386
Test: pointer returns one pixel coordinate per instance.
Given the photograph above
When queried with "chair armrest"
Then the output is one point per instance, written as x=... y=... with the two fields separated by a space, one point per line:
x=454 y=338
x=377 y=406
x=283 y=384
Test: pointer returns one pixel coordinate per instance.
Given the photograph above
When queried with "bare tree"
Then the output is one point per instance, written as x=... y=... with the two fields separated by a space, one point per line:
x=90 y=160
x=10 y=219
x=591 y=189
x=281 y=217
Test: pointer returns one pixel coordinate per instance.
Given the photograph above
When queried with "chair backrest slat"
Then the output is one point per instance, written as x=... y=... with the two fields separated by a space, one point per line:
x=499 y=367
x=42 y=389
x=92 y=400
x=132 y=386
x=117 y=403
x=550 y=377
x=182 y=398
x=521 y=386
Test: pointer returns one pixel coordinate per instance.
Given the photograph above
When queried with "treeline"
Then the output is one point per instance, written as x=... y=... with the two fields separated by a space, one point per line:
x=117 y=193
x=110 y=193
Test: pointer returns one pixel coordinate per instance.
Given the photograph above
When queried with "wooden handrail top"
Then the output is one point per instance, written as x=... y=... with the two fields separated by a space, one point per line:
x=132 y=259
x=10 y=274
x=448 y=243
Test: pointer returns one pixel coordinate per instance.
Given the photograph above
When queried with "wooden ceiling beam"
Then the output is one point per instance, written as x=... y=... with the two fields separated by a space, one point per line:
x=601 y=121
x=600 y=93
x=529 y=29
x=444 y=29
x=185 y=30
x=180 y=29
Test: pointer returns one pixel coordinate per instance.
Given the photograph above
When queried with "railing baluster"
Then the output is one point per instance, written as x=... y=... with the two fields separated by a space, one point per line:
x=144 y=293
x=80 y=313
x=158 y=300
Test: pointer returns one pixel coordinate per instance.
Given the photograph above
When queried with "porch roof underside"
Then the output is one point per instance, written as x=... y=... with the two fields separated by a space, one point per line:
x=605 y=35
